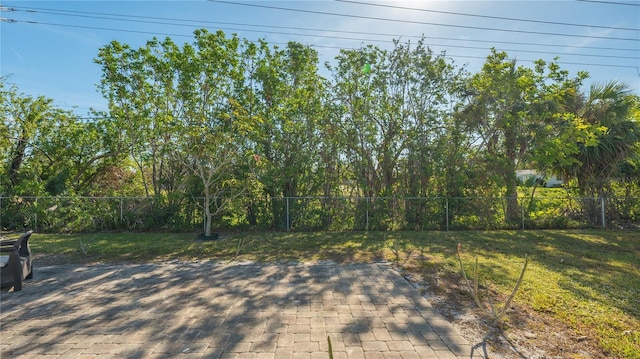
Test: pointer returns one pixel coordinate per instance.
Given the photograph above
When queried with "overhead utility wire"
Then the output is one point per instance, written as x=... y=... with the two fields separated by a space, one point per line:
x=423 y=23
x=339 y=37
x=536 y=51
x=62 y=12
x=225 y=28
x=276 y=43
x=101 y=28
x=32 y=9
x=487 y=16
x=140 y=31
x=612 y=2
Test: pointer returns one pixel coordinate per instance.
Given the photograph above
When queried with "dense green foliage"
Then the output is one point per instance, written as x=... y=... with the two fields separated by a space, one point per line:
x=226 y=129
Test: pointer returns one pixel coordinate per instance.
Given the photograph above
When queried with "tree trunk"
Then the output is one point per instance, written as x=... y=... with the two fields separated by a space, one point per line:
x=16 y=161
x=512 y=200
x=511 y=180
x=207 y=215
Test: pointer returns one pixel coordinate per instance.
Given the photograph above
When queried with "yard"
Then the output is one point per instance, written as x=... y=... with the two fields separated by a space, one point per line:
x=580 y=296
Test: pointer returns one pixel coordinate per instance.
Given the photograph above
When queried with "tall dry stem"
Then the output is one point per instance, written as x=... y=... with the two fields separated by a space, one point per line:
x=475 y=290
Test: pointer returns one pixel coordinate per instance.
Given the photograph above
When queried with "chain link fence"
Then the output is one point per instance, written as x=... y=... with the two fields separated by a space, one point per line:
x=92 y=214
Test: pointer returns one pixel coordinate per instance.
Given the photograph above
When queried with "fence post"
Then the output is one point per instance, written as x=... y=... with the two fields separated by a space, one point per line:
x=0 y=213
x=121 y=217
x=35 y=207
x=287 y=215
x=366 y=220
x=604 y=223
x=522 y=213
x=446 y=205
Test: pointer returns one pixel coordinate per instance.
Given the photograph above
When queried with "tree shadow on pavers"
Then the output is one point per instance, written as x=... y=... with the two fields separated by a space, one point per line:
x=415 y=321
x=200 y=309
x=144 y=310
x=387 y=309
x=405 y=320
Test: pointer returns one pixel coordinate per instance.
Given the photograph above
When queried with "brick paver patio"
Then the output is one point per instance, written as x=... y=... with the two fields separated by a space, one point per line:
x=215 y=310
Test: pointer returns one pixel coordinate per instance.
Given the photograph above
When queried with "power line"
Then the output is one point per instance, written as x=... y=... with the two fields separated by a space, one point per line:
x=538 y=52
x=423 y=23
x=611 y=2
x=335 y=37
x=487 y=16
x=34 y=9
x=315 y=46
x=102 y=16
x=102 y=28
x=225 y=28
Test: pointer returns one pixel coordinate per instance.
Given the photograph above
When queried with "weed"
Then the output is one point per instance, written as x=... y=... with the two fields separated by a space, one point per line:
x=83 y=247
x=241 y=243
x=395 y=248
x=475 y=290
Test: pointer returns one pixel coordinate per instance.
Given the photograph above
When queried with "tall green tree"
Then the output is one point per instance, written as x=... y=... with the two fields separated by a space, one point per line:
x=610 y=112
x=27 y=120
x=512 y=112
x=358 y=133
x=47 y=150
x=214 y=142
x=432 y=85
x=392 y=104
x=392 y=109
x=179 y=109
x=429 y=86
x=609 y=107
x=86 y=151
x=498 y=117
x=141 y=86
x=287 y=96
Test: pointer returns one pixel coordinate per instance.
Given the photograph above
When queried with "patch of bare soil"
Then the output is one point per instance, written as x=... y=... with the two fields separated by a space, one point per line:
x=523 y=332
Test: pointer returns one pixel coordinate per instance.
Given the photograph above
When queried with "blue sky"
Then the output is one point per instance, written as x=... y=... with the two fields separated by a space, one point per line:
x=48 y=47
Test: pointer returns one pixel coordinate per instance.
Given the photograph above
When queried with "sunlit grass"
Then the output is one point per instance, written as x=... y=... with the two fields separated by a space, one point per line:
x=587 y=279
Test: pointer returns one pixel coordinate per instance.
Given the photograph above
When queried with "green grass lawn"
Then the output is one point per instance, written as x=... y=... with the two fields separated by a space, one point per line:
x=588 y=279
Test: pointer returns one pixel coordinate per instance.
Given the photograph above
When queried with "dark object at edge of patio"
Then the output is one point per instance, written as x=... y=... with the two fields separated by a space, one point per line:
x=15 y=266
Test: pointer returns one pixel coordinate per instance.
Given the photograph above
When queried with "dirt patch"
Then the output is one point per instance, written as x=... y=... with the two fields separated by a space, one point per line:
x=523 y=333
